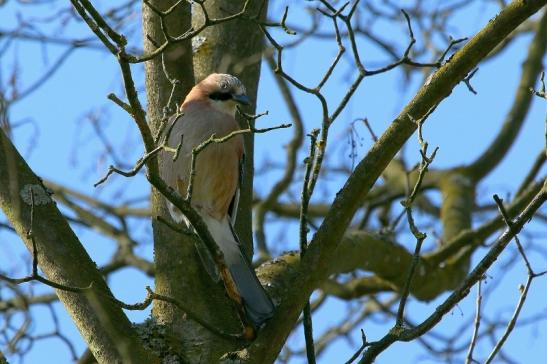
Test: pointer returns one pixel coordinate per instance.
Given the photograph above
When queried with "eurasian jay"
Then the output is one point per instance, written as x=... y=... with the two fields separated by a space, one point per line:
x=209 y=108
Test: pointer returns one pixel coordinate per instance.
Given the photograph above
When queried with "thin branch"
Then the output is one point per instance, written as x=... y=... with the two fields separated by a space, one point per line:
x=420 y=237
x=120 y=103
x=511 y=324
x=405 y=59
x=119 y=211
x=133 y=171
x=476 y=325
x=491 y=256
x=188 y=34
x=472 y=238
x=213 y=139
x=509 y=223
x=361 y=348
x=92 y=23
x=151 y=296
x=512 y=125
x=523 y=289
x=467 y=81
x=352 y=195
x=305 y=200
x=139 y=117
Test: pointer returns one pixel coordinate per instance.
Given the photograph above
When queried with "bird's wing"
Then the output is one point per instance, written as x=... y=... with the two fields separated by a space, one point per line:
x=174 y=172
x=166 y=166
x=183 y=129
x=234 y=205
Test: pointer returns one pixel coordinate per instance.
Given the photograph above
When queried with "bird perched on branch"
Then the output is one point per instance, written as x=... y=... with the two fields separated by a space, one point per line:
x=209 y=109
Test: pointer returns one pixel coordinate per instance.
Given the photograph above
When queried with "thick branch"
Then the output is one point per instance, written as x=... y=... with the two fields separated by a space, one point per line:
x=63 y=259
x=464 y=287
x=351 y=196
x=176 y=63
x=531 y=69
x=390 y=261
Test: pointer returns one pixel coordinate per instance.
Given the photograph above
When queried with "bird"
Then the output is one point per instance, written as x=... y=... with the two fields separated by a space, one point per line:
x=209 y=109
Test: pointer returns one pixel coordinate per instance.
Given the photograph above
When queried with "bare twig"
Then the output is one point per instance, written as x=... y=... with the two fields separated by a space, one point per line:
x=511 y=324
x=305 y=200
x=364 y=344
x=213 y=139
x=523 y=288
x=120 y=103
x=467 y=81
x=151 y=296
x=405 y=59
x=497 y=248
x=469 y=357
x=420 y=237
x=138 y=166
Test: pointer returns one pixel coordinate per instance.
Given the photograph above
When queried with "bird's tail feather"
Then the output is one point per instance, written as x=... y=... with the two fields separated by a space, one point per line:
x=257 y=303
x=205 y=256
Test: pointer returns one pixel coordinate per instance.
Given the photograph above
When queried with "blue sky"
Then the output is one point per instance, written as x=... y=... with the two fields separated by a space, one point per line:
x=60 y=144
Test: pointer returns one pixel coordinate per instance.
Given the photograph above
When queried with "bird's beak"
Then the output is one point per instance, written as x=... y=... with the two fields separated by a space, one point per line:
x=242 y=99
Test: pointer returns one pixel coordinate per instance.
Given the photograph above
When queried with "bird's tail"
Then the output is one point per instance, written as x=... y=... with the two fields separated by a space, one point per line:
x=258 y=305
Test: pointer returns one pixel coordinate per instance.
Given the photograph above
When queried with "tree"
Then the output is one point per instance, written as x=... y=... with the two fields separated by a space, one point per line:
x=358 y=228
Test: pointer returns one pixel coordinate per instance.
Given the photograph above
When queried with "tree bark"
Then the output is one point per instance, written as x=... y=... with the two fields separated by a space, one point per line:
x=235 y=47
x=179 y=271
x=170 y=248
x=315 y=263
x=63 y=259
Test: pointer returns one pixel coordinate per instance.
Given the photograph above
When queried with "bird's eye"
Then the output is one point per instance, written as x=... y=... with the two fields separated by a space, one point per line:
x=223 y=86
x=220 y=96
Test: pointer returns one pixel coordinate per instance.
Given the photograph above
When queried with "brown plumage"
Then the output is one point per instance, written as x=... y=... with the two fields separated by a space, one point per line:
x=209 y=108
x=217 y=166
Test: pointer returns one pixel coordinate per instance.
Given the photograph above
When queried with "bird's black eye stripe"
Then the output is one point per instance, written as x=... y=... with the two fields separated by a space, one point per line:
x=222 y=96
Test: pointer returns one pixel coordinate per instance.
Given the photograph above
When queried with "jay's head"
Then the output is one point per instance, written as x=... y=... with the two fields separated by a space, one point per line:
x=223 y=92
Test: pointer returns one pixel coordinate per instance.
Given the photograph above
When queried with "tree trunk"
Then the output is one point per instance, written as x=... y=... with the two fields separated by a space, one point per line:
x=234 y=47
x=179 y=271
